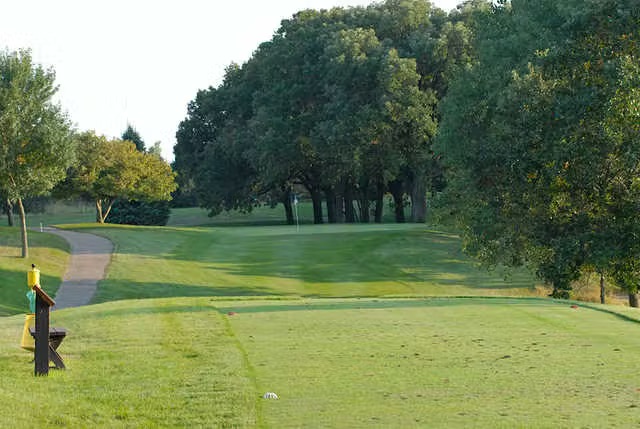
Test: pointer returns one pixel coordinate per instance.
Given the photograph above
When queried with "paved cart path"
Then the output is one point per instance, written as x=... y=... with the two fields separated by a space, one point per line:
x=90 y=256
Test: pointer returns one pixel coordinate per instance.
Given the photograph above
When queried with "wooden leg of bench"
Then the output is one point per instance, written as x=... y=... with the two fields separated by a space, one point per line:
x=55 y=358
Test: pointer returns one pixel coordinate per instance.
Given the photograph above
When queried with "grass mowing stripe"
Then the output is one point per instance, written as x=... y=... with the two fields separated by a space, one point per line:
x=251 y=372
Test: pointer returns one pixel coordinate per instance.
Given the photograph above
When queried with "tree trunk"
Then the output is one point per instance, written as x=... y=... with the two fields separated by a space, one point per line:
x=602 y=289
x=349 y=213
x=23 y=222
x=379 y=203
x=633 y=299
x=332 y=213
x=106 y=213
x=316 y=198
x=395 y=188
x=9 y=209
x=419 y=200
x=99 y=217
x=340 y=208
x=364 y=204
x=288 y=207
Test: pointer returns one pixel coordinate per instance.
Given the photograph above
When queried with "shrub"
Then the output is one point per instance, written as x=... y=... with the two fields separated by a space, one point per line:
x=139 y=213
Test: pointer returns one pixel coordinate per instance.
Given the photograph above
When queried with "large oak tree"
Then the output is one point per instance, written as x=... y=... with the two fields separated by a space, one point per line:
x=340 y=102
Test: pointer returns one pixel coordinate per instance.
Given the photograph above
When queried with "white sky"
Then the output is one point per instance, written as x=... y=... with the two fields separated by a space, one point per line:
x=142 y=61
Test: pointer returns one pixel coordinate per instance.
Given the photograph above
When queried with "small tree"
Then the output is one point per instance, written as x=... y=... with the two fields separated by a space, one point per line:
x=35 y=141
x=131 y=135
x=114 y=169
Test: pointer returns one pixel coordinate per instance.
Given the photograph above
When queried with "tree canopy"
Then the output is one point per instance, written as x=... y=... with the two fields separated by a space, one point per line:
x=114 y=169
x=540 y=137
x=340 y=101
x=35 y=139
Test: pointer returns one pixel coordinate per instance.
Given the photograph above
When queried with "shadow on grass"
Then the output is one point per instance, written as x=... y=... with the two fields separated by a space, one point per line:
x=595 y=307
x=148 y=310
x=330 y=254
x=110 y=290
x=341 y=257
x=374 y=304
x=13 y=297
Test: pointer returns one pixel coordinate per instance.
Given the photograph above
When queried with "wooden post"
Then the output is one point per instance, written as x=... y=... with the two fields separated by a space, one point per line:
x=43 y=305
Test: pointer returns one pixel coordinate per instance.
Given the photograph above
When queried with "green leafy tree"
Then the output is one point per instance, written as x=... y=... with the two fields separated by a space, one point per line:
x=155 y=149
x=341 y=102
x=213 y=142
x=539 y=138
x=140 y=212
x=35 y=143
x=108 y=170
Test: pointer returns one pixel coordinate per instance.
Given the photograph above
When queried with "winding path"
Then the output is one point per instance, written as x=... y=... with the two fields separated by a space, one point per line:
x=90 y=256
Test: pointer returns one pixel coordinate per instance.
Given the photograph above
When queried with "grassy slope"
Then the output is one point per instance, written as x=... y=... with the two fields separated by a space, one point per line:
x=334 y=363
x=175 y=362
x=50 y=254
x=319 y=261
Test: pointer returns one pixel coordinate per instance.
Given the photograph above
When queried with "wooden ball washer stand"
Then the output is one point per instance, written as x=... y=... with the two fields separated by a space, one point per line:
x=47 y=340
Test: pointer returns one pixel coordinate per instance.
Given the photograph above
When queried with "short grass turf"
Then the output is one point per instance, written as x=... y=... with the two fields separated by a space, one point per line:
x=348 y=363
x=440 y=363
x=136 y=364
x=48 y=252
x=317 y=261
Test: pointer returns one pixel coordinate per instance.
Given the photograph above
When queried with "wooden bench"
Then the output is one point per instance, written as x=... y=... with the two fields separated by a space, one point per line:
x=56 y=335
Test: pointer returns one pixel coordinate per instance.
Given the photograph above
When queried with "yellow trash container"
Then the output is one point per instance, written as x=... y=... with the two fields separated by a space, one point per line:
x=33 y=277
x=28 y=343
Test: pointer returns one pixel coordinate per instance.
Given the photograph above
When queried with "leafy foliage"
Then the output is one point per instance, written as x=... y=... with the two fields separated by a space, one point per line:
x=340 y=101
x=113 y=169
x=35 y=143
x=540 y=136
x=140 y=213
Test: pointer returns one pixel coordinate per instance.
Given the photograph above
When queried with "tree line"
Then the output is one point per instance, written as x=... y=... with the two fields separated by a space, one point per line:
x=342 y=102
x=524 y=118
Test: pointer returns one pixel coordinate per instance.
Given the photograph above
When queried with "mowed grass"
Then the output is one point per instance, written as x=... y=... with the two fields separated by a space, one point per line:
x=317 y=261
x=135 y=364
x=50 y=254
x=441 y=363
x=347 y=363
